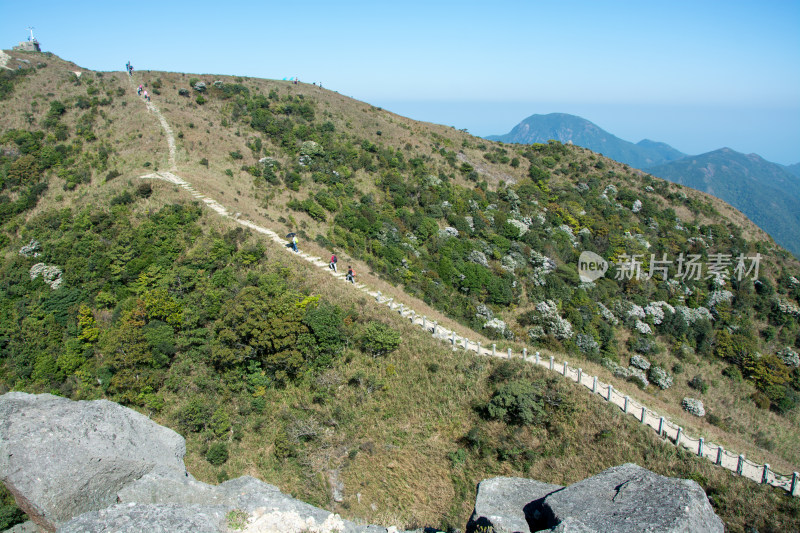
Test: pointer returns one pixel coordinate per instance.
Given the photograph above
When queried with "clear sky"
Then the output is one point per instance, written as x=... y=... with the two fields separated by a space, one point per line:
x=698 y=75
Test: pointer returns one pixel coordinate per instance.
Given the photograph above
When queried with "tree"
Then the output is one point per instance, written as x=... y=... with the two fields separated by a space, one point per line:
x=128 y=354
x=268 y=329
x=379 y=339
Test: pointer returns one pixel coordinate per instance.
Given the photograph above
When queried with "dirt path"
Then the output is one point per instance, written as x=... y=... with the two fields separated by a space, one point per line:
x=665 y=428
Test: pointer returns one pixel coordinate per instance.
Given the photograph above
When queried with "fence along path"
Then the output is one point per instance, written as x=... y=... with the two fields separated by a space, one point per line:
x=665 y=428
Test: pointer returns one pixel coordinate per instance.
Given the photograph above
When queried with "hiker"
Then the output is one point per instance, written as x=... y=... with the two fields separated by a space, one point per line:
x=294 y=242
x=139 y=91
x=146 y=96
x=128 y=68
x=334 y=260
x=350 y=274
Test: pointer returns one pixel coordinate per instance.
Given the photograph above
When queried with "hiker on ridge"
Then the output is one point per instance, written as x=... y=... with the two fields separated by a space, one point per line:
x=350 y=274
x=334 y=260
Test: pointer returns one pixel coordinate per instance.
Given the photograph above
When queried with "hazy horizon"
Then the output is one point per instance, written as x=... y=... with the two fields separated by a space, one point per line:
x=710 y=128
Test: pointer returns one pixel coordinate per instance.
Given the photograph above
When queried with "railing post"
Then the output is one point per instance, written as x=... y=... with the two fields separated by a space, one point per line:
x=644 y=414
x=793 y=492
x=494 y=350
x=454 y=338
x=627 y=399
x=678 y=437
x=740 y=465
x=580 y=376
x=765 y=475
x=610 y=390
x=594 y=385
x=720 y=451
x=552 y=360
x=509 y=353
x=565 y=368
x=660 y=426
x=700 y=448
x=525 y=354
x=537 y=358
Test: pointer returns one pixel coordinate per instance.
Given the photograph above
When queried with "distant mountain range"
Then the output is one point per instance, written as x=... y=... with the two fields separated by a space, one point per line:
x=579 y=131
x=768 y=193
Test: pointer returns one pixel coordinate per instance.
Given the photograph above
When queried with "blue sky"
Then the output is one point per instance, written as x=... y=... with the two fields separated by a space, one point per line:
x=698 y=75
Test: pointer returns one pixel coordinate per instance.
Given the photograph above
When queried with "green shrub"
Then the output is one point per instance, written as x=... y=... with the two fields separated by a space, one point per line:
x=124 y=198
x=733 y=373
x=379 y=339
x=217 y=453
x=144 y=190
x=113 y=174
x=517 y=402
x=699 y=384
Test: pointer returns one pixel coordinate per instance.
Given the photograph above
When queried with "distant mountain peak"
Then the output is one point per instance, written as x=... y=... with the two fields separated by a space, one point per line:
x=577 y=130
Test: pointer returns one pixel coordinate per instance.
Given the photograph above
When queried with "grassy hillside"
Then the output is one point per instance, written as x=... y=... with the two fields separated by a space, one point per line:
x=271 y=368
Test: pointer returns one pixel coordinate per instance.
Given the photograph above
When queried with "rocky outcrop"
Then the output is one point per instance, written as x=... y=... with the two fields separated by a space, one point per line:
x=504 y=503
x=62 y=458
x=626 y=498
x=95 y=467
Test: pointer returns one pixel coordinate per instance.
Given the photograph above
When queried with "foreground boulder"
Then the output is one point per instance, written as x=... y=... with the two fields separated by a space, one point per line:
x=61 y=458
x=626 y=498
x=100 y=467
x=502 y=502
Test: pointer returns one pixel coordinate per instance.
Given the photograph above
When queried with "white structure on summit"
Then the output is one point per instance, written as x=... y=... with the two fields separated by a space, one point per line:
x=31 y=45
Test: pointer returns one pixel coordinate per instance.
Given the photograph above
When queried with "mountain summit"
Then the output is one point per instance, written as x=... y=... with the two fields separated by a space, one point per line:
x=576 y=130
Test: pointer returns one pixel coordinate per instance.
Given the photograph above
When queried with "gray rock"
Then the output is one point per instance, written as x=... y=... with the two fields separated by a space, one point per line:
x=165 y=518
x=478 y=257
x=629 y=498
x=62 y=458
x=503 y=503
x=25 y=527
x=640 y=362
x=100 y=467
x=660 y=377
x=693 y=406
